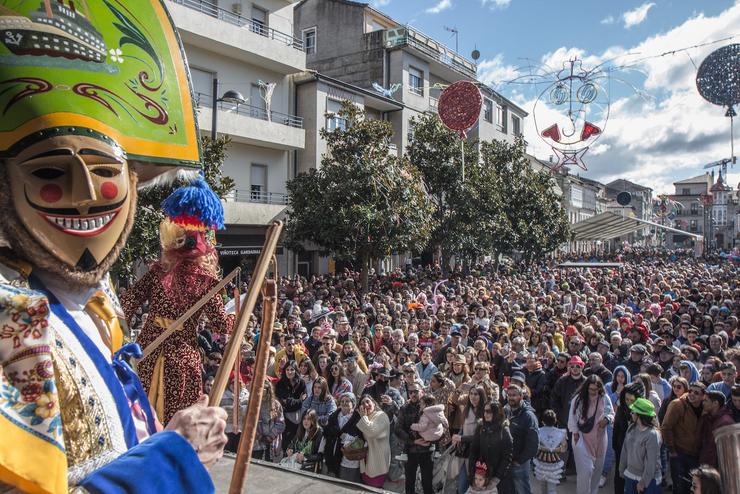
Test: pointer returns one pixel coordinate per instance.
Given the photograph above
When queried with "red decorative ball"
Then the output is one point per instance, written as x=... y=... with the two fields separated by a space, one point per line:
x=460 y=105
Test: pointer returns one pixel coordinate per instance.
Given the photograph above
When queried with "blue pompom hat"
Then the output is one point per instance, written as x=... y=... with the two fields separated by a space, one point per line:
x=195 y=207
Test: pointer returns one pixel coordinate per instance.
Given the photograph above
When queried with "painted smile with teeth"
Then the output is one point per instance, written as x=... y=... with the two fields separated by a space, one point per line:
x=84 y=226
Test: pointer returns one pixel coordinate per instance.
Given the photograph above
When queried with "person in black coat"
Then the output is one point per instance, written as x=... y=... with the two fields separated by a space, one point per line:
x=491 y=444
x=333 y=432
x=536 y=381
x=290 y=391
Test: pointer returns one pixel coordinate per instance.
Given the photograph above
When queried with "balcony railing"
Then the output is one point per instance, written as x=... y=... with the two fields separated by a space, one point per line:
x=406 y=36
x=236 y=19
x=257 y=196
x=206 y=101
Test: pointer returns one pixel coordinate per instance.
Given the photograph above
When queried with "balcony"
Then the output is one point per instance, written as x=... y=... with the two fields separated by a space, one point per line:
x=406 y=36
x=258 y=197
x=251 y=125
x=205 y=25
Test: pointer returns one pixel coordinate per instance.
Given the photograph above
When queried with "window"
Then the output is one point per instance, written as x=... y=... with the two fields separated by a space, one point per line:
x=488 y=110
x=333 y=120
x=309 y=41
x=694 y=209
x=258 y=183
x=257 y=105
x=416 y=81
x=686 y=191
x=259 y=20
x=500 y=118
x=410 y=132
x=692 y=226
x=202 y=85
x=516 y=125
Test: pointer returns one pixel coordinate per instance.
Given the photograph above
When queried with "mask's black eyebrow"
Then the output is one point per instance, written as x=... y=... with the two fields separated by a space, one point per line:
x=53 y=152
x=96 y=152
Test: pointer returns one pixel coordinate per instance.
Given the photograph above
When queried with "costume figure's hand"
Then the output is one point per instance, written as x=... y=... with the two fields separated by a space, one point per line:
x=203 y=427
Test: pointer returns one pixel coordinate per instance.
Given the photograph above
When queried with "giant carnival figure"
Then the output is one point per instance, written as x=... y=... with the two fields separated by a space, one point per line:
x=94 y=100
x=186 y=270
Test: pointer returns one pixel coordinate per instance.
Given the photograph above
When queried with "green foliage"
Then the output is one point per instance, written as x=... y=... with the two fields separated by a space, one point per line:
x=362 y=203
x=143 y=242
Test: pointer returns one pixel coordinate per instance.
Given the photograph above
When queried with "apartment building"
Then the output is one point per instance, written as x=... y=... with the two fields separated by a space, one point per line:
x=641 y=207
x=357 y=44
x=691 y=194
x=245 y=50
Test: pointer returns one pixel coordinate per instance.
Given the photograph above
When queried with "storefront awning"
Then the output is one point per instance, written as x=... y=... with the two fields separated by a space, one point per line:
x=609 y=225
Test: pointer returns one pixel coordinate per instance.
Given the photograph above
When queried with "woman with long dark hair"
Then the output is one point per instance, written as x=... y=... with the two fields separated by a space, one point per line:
x=270 y=425
x=622 y=419
x=338 y=384
x=639 y=463
x=290 y=391
x=491 y=444
x=320 y=401
x=375 y=426
x=469 y=411
x=305 y=445
x=590 y=413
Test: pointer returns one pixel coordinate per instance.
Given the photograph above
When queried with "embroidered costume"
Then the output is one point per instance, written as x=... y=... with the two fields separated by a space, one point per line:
x=80 y=129
x=548 y=464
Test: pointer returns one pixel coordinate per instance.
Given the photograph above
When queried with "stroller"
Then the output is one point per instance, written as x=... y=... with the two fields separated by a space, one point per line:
x=439 y=472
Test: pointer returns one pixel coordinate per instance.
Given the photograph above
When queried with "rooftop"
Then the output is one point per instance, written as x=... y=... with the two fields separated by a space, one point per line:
x=699 y=179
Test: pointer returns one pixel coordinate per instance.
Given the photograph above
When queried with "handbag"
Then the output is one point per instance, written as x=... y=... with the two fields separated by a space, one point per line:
x=588 y=425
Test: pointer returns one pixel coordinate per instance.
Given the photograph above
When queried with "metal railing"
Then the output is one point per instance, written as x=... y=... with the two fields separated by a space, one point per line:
x=206 y=101
x=257 y=196
x=430 y=47
x=237 y=19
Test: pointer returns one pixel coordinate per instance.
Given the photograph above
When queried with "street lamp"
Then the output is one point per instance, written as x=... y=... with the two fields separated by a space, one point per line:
x=230 y=96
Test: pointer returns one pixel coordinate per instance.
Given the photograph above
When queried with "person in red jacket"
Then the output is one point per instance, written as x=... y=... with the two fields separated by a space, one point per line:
x=716 y=415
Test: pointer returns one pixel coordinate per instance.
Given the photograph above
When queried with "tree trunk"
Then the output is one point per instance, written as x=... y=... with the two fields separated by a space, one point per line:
x=364 y=274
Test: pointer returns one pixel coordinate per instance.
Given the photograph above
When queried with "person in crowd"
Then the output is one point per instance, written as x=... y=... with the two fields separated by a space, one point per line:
x=481 y=484
x=590 y=413
x=338 y=384
x=433 y=423
x=733 y=404
x=307 y=373
x=492 y=446
x=340 y=435
x=681 y=430
x=706 y=480
x=382 y=392
x=352 y=371
x=467 y=411
x=270 y=426
x=553 y=444
x=596 y=366
x=524 y=432
x=320 y=401
x=716 y=415
x=290 y=391
x=375 y=427
x=729 y=373
x=425 y=368
x=304 y=448
x=565 y=388
x=622 y=420
x=639 y=462
x=291 y=352
x=418 y=451
x=536 y=381
x=233 y=431
x=679 y=387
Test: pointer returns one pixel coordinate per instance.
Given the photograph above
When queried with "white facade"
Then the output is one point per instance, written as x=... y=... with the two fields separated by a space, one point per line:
x=245 y=46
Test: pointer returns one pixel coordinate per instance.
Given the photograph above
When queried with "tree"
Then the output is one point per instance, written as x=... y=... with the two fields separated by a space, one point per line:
x=437 y=152
x=363 y=203
x=530 y=218
x=143 y=242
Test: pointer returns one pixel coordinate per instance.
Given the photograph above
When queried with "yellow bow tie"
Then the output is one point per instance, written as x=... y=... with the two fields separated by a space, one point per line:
x=100 y=306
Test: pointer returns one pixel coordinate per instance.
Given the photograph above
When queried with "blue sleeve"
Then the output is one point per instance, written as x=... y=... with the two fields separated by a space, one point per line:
x=164 y=463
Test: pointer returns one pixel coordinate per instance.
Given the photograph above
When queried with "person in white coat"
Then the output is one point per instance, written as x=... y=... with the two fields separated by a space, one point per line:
x=591 y=412
x=375 y=426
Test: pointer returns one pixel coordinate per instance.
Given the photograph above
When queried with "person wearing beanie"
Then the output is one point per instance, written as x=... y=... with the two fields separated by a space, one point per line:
x=639 y=462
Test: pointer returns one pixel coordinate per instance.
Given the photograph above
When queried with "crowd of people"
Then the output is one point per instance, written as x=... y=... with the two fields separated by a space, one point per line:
x=514 y=376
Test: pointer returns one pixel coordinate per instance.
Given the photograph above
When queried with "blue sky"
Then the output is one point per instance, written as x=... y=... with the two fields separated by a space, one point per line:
x=659 y=128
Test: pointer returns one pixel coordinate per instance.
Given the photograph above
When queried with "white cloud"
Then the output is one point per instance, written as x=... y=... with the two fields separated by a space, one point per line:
x=493 y=72
x=495 y=4
x=380 y=3
x=637 y=16
x=608 y=20
x=653 y=141
x=439 y=7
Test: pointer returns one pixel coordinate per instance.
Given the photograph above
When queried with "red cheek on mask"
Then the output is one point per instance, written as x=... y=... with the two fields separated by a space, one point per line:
x=51 y=193
x=109 y=190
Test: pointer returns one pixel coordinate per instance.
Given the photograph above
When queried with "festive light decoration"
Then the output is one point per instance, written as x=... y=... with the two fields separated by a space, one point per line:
x=266 y=90
x=459 y=106
x=388 y=93
x=581 y=109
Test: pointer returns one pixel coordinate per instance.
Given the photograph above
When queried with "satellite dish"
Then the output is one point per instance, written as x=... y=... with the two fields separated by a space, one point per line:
x=475 y=55
x=624 y=198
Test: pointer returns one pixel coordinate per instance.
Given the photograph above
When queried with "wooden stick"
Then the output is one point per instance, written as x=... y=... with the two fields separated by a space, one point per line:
x=246 y=442
x=234 y=344
x=237 y=376
x=188 y=314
